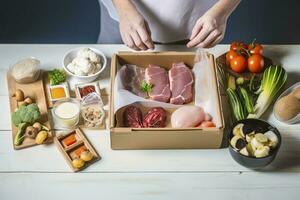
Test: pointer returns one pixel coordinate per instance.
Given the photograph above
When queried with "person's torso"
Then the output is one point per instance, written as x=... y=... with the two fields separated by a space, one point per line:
x=169 y=20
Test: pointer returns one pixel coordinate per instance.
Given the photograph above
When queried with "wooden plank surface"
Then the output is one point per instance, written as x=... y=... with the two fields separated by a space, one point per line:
x=49 y=159
x=143 y=174
x=159 y=186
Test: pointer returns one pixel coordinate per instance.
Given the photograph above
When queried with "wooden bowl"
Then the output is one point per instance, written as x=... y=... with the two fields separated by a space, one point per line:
x=221 y=62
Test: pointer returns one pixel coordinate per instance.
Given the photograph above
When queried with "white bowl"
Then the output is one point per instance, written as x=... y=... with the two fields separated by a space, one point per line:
x=70 y=55
x=296 y=119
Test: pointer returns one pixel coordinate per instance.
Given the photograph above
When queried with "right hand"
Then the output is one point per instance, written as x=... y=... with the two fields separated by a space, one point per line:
x=135 y=31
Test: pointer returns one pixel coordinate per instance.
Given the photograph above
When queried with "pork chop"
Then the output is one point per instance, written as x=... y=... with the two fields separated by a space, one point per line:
x=181 y=83
x=132 y=77
x=158 y=77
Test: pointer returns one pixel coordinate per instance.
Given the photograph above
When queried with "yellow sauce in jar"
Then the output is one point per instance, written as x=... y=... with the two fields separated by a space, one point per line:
x=58 y=93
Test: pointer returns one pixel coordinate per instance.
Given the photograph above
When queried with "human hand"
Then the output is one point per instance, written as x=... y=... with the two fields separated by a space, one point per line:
x=135 y=31
x=209 y=30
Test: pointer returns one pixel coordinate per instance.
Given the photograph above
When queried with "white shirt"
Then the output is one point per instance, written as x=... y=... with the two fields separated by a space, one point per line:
x=169 y=20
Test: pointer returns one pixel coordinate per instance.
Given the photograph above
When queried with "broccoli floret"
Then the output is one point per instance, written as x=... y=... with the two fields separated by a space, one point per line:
x=26 y=114
x=56 y=76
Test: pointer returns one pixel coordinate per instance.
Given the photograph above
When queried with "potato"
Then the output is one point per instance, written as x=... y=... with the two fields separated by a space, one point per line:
x=296 y=93
x=77 y=163
x=19 y=94
x=41 y=137
x=287 y=107
x=86 y=156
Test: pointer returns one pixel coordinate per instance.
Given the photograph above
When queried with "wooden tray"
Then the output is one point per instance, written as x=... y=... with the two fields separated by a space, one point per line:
x=37 y=92
x=82 y=140
x=221 y=62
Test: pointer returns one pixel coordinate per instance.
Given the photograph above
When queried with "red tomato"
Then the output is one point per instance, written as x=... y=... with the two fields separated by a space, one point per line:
x=255 y=48
x=238 y=46
x=238 y=64
x=230 y=55
x=207 y=124
x=256 y=63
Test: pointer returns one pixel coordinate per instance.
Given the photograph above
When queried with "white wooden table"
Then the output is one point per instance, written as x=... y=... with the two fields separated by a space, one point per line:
x=42 y=173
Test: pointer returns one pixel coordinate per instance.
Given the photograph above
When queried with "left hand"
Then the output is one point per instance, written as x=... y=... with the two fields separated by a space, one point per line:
x=209 y=30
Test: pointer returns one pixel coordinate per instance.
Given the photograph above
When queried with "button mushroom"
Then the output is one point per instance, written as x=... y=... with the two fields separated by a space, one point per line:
x=37 y=126
x=262 y=151
x=238 y=142
x=272 y=137
x=244 y=151
x=238 y=130
x=31 y=132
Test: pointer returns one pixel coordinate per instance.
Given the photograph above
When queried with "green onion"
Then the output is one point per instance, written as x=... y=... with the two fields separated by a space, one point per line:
x=236 y=105
x=56 y=76
x=273 y=79
x=247 y=100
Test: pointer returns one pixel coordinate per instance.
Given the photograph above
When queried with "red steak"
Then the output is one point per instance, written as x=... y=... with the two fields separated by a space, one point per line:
x=132 y=117
x=155 y=118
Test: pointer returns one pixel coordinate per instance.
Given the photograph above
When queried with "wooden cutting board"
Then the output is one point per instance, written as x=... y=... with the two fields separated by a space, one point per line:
x=36 y=91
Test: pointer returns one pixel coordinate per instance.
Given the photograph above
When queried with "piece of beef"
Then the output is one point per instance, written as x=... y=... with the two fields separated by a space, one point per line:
x=158 y=77
x=155 y=118
x=132 y=117
x=131 y=77
x=181 y=83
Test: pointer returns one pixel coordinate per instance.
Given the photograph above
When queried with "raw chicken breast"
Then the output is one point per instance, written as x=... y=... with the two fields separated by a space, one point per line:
x=187 y=117
x=181 y=83
x=159 y=79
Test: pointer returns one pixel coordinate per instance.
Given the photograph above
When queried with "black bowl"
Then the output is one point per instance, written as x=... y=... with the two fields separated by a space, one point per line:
x=252 y=162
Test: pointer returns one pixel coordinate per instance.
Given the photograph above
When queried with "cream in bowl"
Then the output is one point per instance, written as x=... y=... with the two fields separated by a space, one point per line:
x=85 y=64
x=66 y=112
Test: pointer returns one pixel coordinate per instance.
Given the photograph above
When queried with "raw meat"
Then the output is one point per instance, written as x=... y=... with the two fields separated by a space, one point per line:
x=132 y=117
x=155 y=118
x=131 y=77
x=181 y=83
x=187 y=117
x=158 y=77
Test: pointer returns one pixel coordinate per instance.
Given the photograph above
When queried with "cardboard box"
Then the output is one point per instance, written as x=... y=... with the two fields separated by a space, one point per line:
x=162 y=138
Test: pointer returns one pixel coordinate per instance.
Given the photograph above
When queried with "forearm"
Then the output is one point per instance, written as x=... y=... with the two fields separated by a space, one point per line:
x=123 y=6
x=225 y=7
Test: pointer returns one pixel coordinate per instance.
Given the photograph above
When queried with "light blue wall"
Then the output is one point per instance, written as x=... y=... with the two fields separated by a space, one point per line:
x=77 y=21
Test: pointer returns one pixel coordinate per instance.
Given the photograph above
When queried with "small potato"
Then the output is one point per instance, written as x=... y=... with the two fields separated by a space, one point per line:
x=28 y=100
x=296 y=93
x=41 y=137
x=77 y=163
x=19 y=94
x=86 y=156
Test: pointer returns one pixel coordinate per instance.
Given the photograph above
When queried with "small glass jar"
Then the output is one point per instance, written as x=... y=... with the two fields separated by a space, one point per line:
x=66 y=112
x=92 y=111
